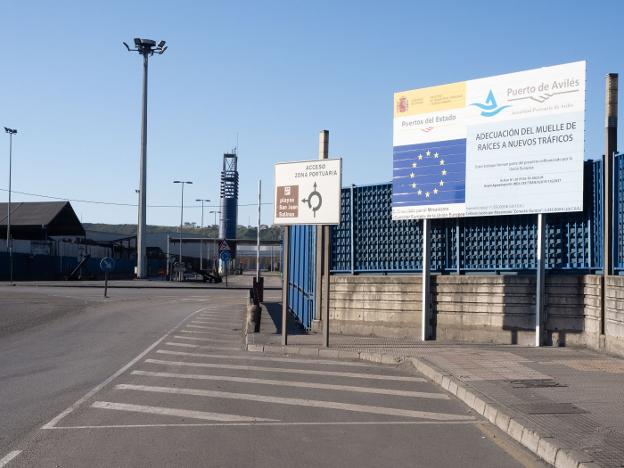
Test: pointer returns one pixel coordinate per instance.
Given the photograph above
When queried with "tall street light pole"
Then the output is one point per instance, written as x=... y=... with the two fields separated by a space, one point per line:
x=214 y=245
x=11 y=132
x=182 y=183
x=201 y=243
x=147 y=48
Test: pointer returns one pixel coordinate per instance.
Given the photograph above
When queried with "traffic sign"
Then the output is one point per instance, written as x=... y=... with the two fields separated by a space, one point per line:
x=224 y=246
x=107 y=264
x=225 y=256
x=308 y=192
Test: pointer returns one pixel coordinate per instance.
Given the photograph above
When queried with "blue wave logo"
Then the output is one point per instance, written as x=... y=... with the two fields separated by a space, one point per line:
x=490 y=108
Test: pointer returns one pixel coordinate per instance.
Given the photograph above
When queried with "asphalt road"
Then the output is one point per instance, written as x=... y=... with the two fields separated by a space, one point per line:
x=157 y=378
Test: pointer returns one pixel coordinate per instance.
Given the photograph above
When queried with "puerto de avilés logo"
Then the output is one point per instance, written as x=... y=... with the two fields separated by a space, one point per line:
x=490 y=108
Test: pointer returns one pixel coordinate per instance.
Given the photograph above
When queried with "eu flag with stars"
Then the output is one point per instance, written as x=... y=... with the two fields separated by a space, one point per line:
x=429 y=173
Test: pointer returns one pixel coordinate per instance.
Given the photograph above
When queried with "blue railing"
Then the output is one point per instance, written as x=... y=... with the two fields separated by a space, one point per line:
x=301 y=277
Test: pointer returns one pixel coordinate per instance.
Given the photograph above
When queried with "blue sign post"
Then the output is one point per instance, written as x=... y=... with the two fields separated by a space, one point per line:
x=107 y=264
x=225 y=257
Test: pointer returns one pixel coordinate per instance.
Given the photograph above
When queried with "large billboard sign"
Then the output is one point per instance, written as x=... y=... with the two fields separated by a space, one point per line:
x=507 y=144
x=308 y=192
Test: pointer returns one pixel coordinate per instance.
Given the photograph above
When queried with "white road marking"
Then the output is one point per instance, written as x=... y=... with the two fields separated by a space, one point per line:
x=288 y=371
x=194 y=338
x=217 y=323
x=290 y=383
x=99 y=387
x=210 y=328
x=386 y=411
x=161 y=410
x=186 y=345
x=216 y=320
x=7 y=458
x=292 y=423
x=262 y=358
x=213 y=332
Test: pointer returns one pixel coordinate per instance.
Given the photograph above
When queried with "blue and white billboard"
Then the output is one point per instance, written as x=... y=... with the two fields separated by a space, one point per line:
x=508 y=144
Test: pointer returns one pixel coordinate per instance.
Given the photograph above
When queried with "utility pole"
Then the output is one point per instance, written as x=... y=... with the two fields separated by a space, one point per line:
x=201 y=242
x=11 y=132
x=214 y=244
x=147 y=48
x=611 y=118
x=258 y=233
x=182 y=183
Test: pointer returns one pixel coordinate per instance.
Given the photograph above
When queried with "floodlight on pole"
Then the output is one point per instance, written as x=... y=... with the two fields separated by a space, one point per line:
x=9 y=241
x=147 y=48
x=201 y=226
x=183 y=183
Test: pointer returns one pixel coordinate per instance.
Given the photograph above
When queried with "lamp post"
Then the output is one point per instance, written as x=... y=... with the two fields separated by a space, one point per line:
x=11 y=132
x=201 y=244
x=147 y=48
x=182 y=183
x=214 y=244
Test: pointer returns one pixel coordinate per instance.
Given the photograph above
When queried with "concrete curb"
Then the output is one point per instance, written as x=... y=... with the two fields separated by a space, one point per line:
x=543 y=445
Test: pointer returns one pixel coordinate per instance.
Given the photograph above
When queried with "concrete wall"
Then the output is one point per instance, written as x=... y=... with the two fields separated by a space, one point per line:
x=375 y=305
x=484 y=308
x=614 y=315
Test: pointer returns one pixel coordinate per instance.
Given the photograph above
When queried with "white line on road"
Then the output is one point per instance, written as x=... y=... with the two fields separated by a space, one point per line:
x=247 y=357
x=99 y=387
x=292 y=423
x=216 y=320
x=11 y=455
x=288 y=371
x=160 y=410
x=210 y=328
x=186 y=345
x=386 y=411
x=213 y=333
x=290 y=383
x=194 y=338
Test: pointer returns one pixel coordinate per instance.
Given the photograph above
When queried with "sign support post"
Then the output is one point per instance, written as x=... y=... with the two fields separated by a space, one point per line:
x=309 y=193
x=106 y=284
x=540 y=317
x=425 y=325
x=285 y=273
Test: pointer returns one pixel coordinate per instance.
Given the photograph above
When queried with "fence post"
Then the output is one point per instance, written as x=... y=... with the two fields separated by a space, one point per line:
x=457 y=246
x=425 y=326
x=540 y=317
x=352 y=236
x=285 y=286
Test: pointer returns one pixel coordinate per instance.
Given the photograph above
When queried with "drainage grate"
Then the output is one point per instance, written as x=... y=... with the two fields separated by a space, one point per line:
x=535 y=383
x=549 y=408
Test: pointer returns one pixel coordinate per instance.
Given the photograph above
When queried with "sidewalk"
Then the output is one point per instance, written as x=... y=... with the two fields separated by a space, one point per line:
x=564 y=404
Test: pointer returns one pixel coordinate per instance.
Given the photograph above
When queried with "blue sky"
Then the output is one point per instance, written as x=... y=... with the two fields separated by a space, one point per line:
x=275 y=73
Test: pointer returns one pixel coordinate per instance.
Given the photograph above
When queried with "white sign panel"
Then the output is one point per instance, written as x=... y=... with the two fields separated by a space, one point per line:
x=308 y=192
x=507 y=144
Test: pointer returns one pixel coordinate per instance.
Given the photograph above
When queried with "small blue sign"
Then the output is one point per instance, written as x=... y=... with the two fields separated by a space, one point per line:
x=107 y=264
x=225 y=256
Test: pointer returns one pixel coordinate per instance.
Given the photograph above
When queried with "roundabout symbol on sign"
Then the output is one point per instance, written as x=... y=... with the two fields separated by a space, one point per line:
x=319 y=200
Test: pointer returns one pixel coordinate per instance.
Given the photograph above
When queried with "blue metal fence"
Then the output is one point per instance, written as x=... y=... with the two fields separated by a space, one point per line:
x=301 y=268
x=367 y=240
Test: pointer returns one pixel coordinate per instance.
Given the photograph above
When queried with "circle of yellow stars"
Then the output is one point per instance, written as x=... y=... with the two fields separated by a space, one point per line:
x=443 y=172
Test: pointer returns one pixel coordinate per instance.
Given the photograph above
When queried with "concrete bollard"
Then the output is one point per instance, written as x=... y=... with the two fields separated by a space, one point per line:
x=253 y=318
